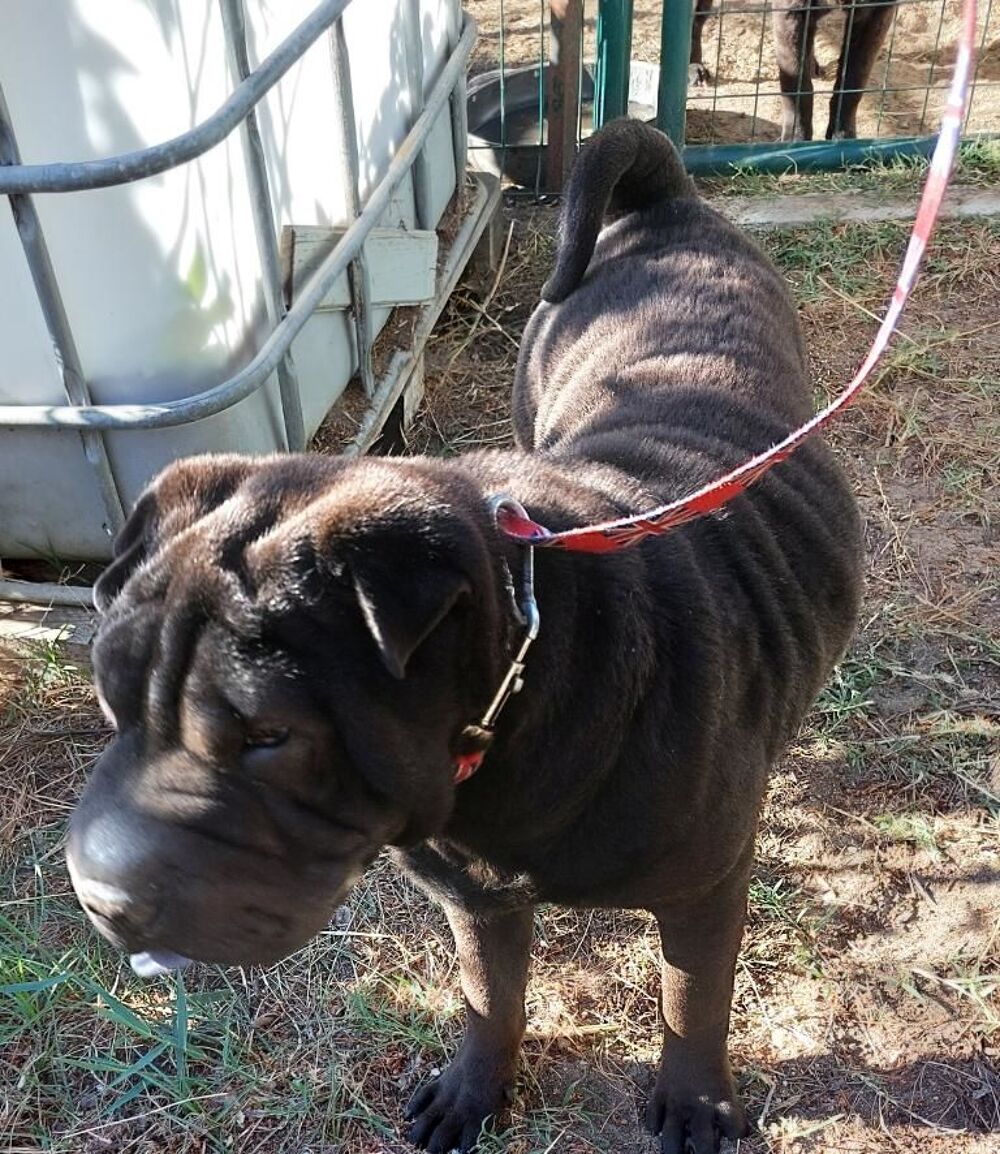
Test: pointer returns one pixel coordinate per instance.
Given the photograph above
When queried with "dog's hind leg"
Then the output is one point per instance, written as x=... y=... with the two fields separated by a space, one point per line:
x=864 y=31
x=694 y=1101
x=493 y=955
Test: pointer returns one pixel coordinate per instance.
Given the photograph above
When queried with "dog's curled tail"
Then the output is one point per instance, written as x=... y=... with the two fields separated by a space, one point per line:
x=624 y=167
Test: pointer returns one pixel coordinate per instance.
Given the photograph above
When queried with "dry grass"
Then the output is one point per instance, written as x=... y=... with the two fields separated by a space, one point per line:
x=867 y=1015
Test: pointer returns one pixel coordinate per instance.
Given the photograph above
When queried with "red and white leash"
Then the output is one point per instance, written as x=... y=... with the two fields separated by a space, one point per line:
x=610 y=536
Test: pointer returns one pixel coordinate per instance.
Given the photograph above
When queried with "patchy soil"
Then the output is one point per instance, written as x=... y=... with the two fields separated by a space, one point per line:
x=908 y=83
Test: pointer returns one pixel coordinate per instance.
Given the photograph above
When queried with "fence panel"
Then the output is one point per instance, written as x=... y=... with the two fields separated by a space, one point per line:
x=708 y=72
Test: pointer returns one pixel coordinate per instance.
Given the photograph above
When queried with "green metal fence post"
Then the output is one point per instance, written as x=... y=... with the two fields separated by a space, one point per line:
x=803 y=155
x=614 y=53
x=675 y=51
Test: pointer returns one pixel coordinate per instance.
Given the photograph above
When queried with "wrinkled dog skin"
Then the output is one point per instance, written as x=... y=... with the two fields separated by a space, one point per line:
x=292 y=646
x=794 y=24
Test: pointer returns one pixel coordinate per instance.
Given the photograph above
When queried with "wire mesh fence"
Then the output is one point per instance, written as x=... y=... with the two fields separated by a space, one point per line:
x=758 y=73
x=900 y=88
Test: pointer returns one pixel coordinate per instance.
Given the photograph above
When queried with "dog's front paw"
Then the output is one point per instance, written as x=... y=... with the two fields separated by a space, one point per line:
x=688 y=1120
x=448 y=1113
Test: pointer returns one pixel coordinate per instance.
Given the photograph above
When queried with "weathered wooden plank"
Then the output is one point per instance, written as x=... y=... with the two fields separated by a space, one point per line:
x=566 y=23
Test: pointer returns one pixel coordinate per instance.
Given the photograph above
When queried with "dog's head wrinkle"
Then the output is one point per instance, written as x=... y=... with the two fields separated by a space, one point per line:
x=271 y=628
x=408 y=542
x=248 y=542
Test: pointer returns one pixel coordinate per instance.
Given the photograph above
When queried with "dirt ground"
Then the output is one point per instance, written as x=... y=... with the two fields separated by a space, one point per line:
x=741 y=103
x=867 y=1009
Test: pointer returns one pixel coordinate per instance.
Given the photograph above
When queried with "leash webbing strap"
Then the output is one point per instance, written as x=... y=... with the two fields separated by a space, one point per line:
x=609 y=536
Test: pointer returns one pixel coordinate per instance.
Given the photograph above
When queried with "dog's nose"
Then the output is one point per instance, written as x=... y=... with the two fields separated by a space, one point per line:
x=122 y=915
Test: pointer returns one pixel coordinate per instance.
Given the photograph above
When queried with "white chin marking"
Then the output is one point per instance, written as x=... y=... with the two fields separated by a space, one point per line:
x=155 y=963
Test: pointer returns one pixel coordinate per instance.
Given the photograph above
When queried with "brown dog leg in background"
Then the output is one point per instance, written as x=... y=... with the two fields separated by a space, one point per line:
x=794 y=39
x=794 y=47
x=864 y=32
x=698 y=74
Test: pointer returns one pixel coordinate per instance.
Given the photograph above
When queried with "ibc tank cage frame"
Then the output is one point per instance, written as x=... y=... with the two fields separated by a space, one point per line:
x=20 y=182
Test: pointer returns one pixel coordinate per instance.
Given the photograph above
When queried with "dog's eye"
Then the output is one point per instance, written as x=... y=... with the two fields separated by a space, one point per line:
x=265 y=738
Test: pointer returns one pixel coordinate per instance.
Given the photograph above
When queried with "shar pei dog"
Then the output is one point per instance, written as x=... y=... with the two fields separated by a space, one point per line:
x=295 y=650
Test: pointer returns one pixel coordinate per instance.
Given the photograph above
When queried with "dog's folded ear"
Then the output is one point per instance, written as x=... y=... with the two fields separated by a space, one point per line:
x=180 y=495
x=132 y=546
x=407 y=542
x=403 y=599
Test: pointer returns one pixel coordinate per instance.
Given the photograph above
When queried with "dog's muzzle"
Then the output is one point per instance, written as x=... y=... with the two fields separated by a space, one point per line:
x=170 y=876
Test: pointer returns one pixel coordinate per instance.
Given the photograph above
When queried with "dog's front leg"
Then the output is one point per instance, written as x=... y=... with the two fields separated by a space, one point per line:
x=694 y=1101
x=493 y=955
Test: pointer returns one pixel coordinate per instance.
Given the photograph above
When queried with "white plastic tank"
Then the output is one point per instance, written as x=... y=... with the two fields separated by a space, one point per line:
x=161 y=279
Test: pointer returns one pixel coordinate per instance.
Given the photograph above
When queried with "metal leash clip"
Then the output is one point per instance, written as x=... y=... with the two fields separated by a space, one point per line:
x=476 y=739
x=527 y=612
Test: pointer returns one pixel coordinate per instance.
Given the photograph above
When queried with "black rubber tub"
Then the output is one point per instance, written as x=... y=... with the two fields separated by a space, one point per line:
x=517 y=153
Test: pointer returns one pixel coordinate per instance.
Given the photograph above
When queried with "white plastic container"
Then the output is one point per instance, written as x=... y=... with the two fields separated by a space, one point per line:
x=161 y=278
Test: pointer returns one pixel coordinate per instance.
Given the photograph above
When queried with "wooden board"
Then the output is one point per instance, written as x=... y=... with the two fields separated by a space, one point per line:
x=402 y=264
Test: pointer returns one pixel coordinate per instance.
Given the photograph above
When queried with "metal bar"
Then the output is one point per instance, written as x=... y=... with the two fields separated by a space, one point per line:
x=566 y=23
x=811 y=13
x=539 y=176
x=359 y=283
x=503 y=87
x=613 y=55
x=46 y=593
x=980 y=52
x=675 y=52
x=756 y=87
x=802 y=155
x=415 y=90
x=601 y=47
x=837 y=98
x=582 y=71
x=885 y=76
x=36 y=252
x=459 y=109
x=129 y=166
x=234 y=23
x=869 y=90
x=930 y=74
x=222 y=396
